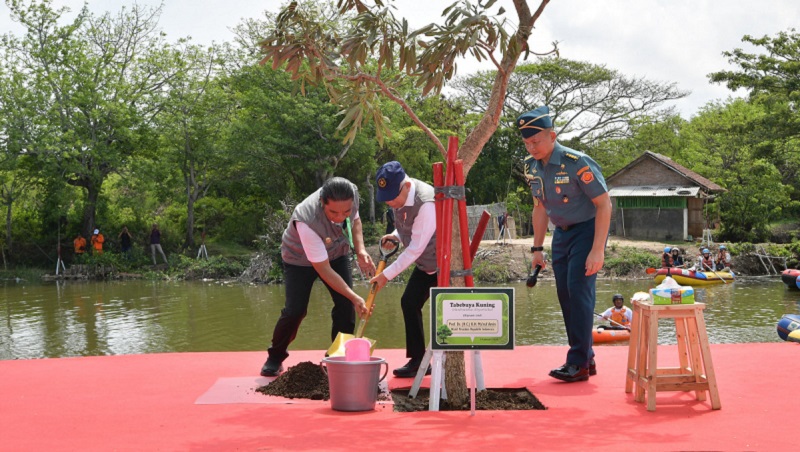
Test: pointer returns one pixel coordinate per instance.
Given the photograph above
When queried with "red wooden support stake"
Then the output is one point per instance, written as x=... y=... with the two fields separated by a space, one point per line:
x=447 y=212
x=463 y=225
x=438 y=182
x=478 y=235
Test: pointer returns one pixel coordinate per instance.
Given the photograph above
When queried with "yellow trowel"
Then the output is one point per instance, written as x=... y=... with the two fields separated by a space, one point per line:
x=337 y=348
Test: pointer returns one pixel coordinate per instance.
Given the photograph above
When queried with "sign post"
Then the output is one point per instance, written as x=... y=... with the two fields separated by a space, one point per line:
x=468 y=318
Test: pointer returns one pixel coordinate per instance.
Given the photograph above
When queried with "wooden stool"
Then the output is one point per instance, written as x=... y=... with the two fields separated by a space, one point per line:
x=696 y=371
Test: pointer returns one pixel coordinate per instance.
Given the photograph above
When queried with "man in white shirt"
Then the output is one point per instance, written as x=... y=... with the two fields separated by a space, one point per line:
x=415 y=221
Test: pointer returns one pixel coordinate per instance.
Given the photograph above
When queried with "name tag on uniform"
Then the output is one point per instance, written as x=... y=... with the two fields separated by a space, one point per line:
x=559 y=180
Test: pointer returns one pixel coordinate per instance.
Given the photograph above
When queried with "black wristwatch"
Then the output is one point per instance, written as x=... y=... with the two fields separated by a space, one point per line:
x=536 y=248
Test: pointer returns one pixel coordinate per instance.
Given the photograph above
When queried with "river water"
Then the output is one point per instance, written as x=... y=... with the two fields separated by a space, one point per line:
x=48 y=320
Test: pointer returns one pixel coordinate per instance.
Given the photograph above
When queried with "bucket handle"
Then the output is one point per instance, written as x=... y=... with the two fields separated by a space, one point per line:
x=385 y=371
x=323 y=367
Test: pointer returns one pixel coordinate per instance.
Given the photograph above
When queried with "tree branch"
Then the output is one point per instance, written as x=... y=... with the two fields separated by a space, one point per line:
x=402 y=103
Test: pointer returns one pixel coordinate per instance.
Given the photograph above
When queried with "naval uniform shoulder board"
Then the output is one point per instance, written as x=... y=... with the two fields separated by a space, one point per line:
x=571 y=156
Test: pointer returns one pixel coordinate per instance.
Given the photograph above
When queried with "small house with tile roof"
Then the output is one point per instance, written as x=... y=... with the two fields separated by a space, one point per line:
x=655 y=198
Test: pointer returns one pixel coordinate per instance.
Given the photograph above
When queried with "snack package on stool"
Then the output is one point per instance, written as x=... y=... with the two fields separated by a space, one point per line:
x=670 y=292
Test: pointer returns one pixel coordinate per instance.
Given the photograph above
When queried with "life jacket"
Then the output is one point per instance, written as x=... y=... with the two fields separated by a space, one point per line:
x=722 y=257
x=619 y=316
x=706 y=264
x=666 y=260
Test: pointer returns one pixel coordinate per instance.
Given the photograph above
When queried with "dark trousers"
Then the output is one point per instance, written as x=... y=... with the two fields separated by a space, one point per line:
x=576 y=291
x=417 y=292
x=298 y=282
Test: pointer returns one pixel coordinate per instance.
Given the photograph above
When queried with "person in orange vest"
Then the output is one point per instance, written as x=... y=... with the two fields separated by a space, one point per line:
x=79 y=243
x=666 y=258
x=97 y=241
x=705 y=262
x=620 y=316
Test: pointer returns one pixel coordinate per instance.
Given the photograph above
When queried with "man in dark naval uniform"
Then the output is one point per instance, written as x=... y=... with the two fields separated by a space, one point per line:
x=569 y=190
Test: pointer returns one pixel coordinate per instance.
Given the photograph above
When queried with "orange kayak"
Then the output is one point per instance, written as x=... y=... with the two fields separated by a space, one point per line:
x=600 y=336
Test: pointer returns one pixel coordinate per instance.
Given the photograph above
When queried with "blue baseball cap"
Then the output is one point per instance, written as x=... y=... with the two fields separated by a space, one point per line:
x=389 y=180
x=534 y=121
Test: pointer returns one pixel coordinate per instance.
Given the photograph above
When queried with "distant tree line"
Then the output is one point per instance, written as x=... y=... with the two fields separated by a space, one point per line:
x=104 y=123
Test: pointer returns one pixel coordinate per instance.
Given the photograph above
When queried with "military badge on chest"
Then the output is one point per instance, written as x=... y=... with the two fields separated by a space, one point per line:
x=561 y=178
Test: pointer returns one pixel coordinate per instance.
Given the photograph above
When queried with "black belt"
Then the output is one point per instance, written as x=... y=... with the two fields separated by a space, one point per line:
x=570 y=226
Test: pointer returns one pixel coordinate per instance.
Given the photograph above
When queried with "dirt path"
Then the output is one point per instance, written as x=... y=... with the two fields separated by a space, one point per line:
x=655 y=247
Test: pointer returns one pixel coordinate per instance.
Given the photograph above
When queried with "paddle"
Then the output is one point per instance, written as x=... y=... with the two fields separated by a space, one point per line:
x=615 y=323
x=720 y=277
x=715 y=273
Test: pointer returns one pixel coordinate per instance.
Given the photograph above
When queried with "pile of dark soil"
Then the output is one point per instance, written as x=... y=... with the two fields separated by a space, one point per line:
x=490 y=399
x=306 y=380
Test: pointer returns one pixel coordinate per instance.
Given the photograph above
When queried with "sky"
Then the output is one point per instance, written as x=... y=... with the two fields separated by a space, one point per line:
x=669 y=41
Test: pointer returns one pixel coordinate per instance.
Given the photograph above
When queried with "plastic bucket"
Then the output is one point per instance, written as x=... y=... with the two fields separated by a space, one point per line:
x=353 y=384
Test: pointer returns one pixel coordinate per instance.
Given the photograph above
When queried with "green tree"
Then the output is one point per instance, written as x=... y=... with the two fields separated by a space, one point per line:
x=755 y=196
x=719 y=143
x=90 y=87
x=15 y=122
x=772 y=79
x=595 y=110
x=189 y=125
x=275 y=128
x=590 y=103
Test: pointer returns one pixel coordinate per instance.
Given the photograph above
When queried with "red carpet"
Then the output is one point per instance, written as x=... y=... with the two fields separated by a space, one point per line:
x=155 y=402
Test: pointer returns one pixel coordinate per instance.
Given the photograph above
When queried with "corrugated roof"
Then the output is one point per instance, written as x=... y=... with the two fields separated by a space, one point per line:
x=643 y=191
x=706 y=184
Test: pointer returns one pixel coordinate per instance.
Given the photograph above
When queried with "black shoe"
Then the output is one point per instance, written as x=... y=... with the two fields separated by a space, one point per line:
x=571 y=373
x=271 y=368
x=592 y=368
x=410 y=369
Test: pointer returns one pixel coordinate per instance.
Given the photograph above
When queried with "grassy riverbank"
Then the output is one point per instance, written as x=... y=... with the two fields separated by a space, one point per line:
x=495 y=262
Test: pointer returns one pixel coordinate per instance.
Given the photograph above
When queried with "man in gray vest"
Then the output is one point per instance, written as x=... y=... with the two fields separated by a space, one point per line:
x=415 y=222
x=315 y=245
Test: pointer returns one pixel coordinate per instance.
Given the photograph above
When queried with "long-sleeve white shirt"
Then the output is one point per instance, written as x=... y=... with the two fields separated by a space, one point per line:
x=421 y=232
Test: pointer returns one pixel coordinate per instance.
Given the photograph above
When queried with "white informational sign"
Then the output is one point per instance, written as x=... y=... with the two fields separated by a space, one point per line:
x=468 y=318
